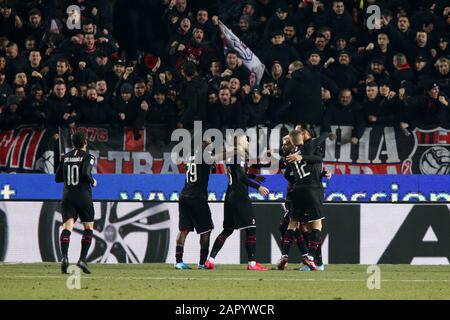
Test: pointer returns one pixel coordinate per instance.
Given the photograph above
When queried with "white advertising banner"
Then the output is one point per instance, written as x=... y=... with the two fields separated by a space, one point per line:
x=136 y=232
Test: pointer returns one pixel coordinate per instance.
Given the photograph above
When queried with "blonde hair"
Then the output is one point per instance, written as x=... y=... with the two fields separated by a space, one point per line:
x=441 y=60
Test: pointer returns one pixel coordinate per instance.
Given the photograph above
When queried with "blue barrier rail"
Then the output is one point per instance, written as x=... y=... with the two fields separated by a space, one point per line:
x=341 y=188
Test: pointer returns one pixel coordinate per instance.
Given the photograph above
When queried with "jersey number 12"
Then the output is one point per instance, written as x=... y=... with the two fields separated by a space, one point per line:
x=301 y=170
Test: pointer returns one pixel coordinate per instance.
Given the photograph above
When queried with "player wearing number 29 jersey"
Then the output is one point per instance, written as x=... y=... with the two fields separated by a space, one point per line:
x=193 y=203
x=194 y=209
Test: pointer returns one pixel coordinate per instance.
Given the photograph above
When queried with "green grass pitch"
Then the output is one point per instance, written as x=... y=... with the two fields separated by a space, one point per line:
x=162 y=281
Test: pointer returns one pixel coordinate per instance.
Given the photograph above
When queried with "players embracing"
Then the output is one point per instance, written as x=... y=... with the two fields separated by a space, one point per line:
x=303 y=157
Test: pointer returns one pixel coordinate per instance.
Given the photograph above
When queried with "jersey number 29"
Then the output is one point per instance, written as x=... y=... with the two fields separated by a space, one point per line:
x=73 y=175
x=191 y=173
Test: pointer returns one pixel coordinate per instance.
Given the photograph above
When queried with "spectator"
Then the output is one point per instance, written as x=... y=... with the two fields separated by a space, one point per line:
x=279 y=51
x=10 y=22
x=234 y=68
x=347 y=112
x=16 y=62
x=443 y=74
x=337 y=19
x=194 y=97
x=5 y=89
x=403 y=71
x=130 y=112
x=227 y=113
x=247 y=34
x=161 y=110
x=432 y=107
x=303 y=95
x=378 y=109
x=33 y=110
x=93 y=109
x=35 y=26
x=422 y=73
x=277 y=22
x=194 y=50
x=10 y=115
x=343 y=73
x=255 y=110
x=60 y=109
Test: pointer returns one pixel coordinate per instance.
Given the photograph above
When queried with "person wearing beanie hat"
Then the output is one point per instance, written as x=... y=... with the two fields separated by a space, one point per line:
x=130 y=111
x=433 y=106
x=32 y=107
x=126 y=88
x=10 y=116
x=247 y=33
x=279 y=50
x=13 y=100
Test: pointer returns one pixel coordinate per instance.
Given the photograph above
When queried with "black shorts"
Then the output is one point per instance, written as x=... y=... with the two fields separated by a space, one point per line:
x=78 y=208
x=238 y=213
x=307 y=204
x=195 y=213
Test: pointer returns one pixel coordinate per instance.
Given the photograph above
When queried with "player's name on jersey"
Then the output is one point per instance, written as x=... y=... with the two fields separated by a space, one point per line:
x=73 y=159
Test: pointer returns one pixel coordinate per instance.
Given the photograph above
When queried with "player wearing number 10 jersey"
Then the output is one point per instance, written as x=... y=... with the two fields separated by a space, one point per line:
x=75 y=171
x=194 y=209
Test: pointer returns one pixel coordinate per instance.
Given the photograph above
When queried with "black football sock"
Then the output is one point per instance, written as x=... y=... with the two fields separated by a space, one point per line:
x=283 y=227
x=179 y=254
x=220 y=240
x=301 y=243
x=250 y=243
x=64 y=241
x=314 y=241
x=204 y=247
x=203 y=256
x=86 y=241
x=287 y=241
x=318 y=257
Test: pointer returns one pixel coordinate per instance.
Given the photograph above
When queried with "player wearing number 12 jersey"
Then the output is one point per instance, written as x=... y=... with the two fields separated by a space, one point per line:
x=194 y=209
x=305 y=165
x=75 y=171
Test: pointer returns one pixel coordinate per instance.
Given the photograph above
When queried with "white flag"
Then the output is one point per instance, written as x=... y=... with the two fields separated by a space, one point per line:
x=249 y=59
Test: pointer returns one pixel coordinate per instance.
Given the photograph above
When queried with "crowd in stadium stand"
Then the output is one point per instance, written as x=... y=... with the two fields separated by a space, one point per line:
x=134 y=63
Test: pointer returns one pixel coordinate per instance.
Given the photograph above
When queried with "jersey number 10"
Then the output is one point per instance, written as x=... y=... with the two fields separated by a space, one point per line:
x=73 y=175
